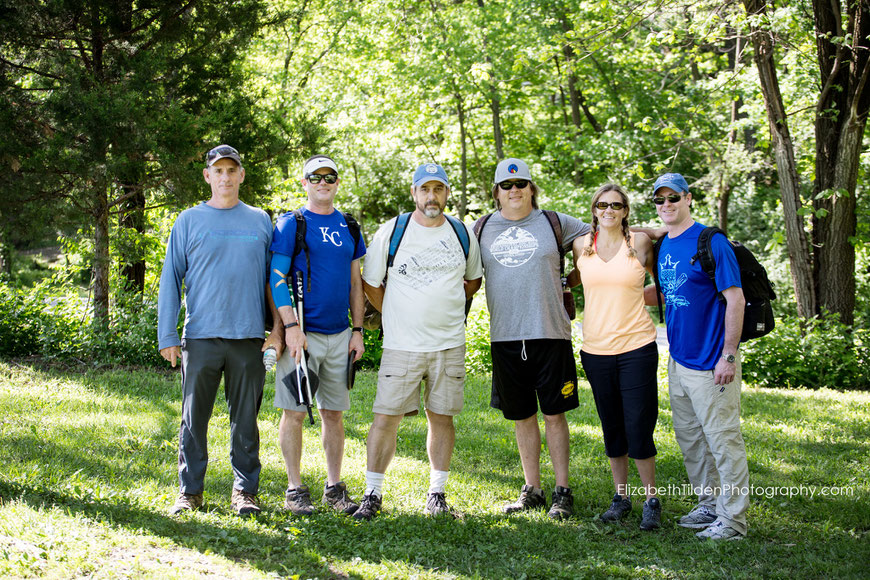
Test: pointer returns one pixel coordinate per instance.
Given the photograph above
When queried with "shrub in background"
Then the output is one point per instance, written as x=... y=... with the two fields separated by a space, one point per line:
x=478 y=357
x=814 y=353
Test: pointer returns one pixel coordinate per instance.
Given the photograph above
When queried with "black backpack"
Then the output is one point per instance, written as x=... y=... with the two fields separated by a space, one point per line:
x=757 y=288
x=300 y=245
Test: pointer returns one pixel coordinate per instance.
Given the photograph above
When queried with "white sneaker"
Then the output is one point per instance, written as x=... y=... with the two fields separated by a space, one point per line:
x=700 y=517
x=719 y=531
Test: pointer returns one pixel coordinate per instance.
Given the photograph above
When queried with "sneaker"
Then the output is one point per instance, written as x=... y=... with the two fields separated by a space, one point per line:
x=186 y=502
x=244 y=503
x=652 y=514
x=563 y=504
x=298 y=501
x=436 y=505
x=719 y=531
x=529 y=500
x=619 y=508
x=335 y=496
x=700 y=517
x=369 y=507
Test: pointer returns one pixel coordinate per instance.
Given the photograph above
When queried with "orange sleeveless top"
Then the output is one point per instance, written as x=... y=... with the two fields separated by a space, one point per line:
x=614 y=318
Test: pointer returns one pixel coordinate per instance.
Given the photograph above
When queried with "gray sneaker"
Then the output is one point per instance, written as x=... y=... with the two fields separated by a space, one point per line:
x=719 y=531
x=700 y=517
x=298 y=501
x=186 y=502
x=529 y=500
x=619 y=508
x=369 y=507
x=652 y=514
x=436 y=506
x=563 y=504
x=336 y=497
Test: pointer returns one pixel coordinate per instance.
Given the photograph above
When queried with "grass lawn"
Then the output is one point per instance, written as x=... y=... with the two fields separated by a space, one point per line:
x=89 y=468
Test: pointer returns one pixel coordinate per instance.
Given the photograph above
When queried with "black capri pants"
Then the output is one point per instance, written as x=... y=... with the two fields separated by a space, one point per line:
x=626 y=396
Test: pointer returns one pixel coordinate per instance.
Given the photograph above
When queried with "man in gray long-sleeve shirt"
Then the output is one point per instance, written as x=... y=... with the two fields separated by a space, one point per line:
x=219 y=251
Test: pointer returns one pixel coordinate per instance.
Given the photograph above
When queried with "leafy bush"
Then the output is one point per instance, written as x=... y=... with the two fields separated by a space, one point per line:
x=478 y=357
x=815 y=353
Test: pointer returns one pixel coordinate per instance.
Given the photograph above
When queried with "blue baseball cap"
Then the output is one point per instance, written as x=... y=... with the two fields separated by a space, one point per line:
x=430 y=172
x=674 y=181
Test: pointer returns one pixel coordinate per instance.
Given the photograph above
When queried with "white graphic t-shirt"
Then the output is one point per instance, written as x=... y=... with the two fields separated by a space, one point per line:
x=424 y=303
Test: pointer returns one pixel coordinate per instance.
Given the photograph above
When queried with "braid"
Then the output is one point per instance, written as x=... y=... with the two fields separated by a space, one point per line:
x=590 y=248
x=627 y=233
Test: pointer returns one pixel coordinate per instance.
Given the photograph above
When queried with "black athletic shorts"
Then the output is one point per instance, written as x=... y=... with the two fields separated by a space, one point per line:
x=526 y=372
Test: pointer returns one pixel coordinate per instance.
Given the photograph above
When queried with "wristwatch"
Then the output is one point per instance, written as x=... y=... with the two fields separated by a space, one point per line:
x=729 y=358
x=357 y=329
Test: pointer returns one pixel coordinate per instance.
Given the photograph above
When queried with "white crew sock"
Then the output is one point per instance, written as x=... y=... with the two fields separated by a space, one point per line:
x=375 y=483
x=437 y=480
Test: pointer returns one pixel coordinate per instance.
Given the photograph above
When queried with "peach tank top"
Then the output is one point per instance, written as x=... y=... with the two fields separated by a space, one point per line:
x=614 y=318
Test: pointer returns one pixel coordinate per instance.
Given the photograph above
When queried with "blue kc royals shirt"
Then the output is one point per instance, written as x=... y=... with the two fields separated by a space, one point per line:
x=694 y=315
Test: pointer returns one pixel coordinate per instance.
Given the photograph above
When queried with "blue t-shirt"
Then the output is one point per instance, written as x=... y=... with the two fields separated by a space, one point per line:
x=331 y=251
x=222 y=258
x=694 y=315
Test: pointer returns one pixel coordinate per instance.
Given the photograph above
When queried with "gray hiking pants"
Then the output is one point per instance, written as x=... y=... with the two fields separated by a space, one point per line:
x=203 y=361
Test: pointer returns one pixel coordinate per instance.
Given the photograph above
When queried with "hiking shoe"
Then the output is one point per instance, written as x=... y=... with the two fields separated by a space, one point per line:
x=700 y=517
x=186 y=502
x=529 y=500
x=436 y=505
x=369 y=507
x=652 y=514
x=244 y=503
x=335 y=496
x=298 y=501
x=563 y=504
x=619 y=508
x=719 y=531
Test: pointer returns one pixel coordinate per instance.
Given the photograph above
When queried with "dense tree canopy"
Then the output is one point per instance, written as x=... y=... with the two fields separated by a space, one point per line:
x=761 y=105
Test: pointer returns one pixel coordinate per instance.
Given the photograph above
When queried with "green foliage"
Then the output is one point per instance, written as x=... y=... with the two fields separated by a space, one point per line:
x=51 y=322
x=478 y=356
x=815 y=353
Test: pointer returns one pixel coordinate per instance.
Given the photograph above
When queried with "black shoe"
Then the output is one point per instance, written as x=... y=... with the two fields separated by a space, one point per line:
x=652 y=514
x=563 y=504
x=620 y=508
x=369 y=507
x=436 y=505
x=336 y=497
x=529 y=500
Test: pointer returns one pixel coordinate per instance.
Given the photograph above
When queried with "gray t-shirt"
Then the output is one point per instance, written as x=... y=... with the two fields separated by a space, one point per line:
x=221 y=258
x=521 y=265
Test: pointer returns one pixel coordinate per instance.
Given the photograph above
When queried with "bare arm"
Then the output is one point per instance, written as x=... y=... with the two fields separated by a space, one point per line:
x=357 y=310
x=276 y=337
x=725 y=371
x=653 y=233
x=472 y=286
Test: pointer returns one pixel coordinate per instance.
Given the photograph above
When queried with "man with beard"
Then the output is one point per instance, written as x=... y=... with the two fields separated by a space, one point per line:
x=423 y=306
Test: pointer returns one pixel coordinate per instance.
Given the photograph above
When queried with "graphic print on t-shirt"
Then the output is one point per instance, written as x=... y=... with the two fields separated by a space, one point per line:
x=431 y=264
x=671 y=283
x=514 y=247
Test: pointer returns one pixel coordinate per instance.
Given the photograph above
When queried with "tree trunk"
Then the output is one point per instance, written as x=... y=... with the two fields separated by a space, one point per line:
x=133 y=216
x=789 y=181
x=840 y=122
x=494 y=101
x=102 y=260
x=463 y=159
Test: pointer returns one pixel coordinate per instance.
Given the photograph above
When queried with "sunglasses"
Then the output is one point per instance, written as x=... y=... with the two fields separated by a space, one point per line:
x=316 y=177
x=616 y=205
x=673 y=198
x=220 y=151
x=506 y=185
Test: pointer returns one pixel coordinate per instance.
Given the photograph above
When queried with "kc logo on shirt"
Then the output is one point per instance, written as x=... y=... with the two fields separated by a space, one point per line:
x=333 y=237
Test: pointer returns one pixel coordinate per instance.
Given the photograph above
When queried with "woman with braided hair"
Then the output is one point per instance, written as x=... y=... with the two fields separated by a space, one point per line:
x=619 y=352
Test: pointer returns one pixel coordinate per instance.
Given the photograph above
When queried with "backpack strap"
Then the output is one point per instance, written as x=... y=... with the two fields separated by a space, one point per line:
x=556 y=225
x=300 y=245
x=705 y=251
x=655 y=270
x=461 y=233
x=353 y=228
x=478 y=225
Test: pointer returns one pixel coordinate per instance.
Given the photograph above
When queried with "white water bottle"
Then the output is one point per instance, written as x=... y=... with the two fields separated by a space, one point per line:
x=270 y=358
